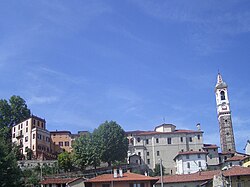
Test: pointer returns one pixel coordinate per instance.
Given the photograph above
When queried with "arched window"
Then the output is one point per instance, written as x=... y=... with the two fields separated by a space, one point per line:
x=222 y=95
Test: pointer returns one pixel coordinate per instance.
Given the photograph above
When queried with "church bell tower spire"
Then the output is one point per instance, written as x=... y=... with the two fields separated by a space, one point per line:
x=224 y=116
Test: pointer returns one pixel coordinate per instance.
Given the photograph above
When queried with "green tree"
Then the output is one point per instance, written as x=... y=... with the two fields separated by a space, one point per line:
x=5 y=113
x=157 y=170
x=111 y=142
x=19 y=109
x=65 y=161
x=86 y=152
x=10 y=173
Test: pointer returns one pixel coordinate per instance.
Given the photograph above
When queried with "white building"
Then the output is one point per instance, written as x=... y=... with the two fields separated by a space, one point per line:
x=190 y=162
x=165 y=142
x=32 y=134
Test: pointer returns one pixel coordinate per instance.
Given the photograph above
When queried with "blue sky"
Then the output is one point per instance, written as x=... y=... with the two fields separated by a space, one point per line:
x=79 y=63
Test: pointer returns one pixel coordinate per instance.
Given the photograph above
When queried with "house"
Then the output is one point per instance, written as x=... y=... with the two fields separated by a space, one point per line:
x=63 y=140
x=213 y=161
x=63 y=182
x=190 y=162
x=165 y=142
x=121 y=180
x=235 y=176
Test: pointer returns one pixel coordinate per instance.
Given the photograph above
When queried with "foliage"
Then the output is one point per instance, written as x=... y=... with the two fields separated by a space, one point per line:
x=19 y=109
x=9 y=171
x=29 y=153
x=86 y=152
x=111 y=142
x=31 y=177
x=5 y=113
x=157 y=170
x=65 y=161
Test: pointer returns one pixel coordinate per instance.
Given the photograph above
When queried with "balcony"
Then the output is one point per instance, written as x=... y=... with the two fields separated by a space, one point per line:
x=19 y=135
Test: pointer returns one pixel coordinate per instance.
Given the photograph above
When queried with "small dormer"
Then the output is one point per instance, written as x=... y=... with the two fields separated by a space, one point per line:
x=165 y=128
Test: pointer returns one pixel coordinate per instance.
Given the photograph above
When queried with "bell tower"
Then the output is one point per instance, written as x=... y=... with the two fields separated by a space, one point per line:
x=224 y=116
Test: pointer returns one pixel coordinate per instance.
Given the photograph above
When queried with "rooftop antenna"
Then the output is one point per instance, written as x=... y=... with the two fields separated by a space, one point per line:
x=163 y=120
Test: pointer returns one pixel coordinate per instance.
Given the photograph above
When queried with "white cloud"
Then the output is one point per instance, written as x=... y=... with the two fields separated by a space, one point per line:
x=34 y=100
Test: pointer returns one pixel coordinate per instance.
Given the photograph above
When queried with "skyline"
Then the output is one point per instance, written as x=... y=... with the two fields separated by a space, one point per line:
x=80 y=63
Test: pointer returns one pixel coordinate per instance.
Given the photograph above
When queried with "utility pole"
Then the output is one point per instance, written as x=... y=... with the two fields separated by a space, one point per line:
x=161 y=172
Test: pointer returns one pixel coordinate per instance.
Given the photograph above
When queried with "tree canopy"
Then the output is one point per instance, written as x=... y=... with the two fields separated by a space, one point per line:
x=86 y=152
x=111 y=141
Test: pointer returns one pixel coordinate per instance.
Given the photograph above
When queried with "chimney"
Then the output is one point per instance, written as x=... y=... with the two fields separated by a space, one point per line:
x=198 y=126
x=115 y=173
x=145 y=173
x=120 y=172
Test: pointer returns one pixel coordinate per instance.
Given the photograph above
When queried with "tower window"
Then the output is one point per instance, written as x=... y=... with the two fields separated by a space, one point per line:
x=222 y=95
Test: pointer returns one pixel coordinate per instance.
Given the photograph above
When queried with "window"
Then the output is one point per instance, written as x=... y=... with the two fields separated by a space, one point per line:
x=47 y=139
x=105 y=185
x=199 y=163
x=157 y=140
x=190 y=139
x=199 y=156
x=21 y=125
x=158 y=153
x=138 y=139
x=26 y=129
x=18 y=127
x=33 y=147
x=66 y=143
x=60 y=143
x=38 y=123
x=198 y=136
x=14 y=129
x=42 y=124
x=139 y=153
x=188 y=165
x=169 y=140
x=181 y=139
x=26 y=138
x=136 y=185
x=147 y=153
x=187 y=156
x=148 y=161
x=146 y=141
x=222 y=95
x=27 y=123
x=13 y=135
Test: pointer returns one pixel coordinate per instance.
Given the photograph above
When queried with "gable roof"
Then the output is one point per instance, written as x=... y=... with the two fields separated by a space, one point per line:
x=126 y=177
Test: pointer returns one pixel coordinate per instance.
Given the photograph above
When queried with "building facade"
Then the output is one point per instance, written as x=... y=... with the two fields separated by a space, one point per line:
x=191 y=162
x=32 y=134
x=224 y=116
x=164 y=143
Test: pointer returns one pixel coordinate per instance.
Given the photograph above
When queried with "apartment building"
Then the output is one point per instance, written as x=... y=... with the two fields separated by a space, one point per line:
x=32 y=134
x=164 y=143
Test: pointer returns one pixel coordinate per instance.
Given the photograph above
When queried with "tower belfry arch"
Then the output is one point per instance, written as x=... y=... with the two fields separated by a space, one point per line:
x=224 y=116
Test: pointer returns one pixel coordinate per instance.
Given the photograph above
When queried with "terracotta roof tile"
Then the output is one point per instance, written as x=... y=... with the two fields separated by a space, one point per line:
x=126 y=177
x=235 y=158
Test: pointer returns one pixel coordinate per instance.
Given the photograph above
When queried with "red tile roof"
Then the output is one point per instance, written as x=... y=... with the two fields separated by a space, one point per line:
x=126 y=177
x=235 y=158
x=58 y=180
x=205 y=175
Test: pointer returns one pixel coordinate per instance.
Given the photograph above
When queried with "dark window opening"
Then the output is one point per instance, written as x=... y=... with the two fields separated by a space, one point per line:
x=222 y=95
